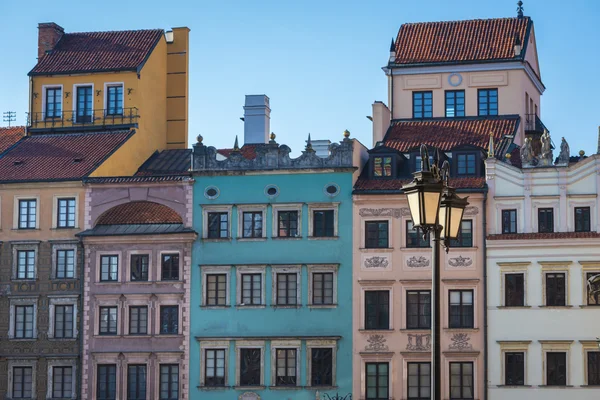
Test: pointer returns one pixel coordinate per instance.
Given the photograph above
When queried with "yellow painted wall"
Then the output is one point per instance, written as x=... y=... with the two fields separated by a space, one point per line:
x=178 y=89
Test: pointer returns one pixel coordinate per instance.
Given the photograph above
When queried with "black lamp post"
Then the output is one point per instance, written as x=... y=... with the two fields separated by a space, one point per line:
x=435 y=208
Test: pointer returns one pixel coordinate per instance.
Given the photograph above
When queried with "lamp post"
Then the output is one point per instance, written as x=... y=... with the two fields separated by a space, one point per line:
x=435 y=208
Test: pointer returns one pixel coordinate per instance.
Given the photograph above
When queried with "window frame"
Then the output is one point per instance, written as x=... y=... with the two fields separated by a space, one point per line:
x=109 y=256
x=296 y=365
x=138 y=389
x=63 y=307
x=85 y=112
x=316 y=207
x=134 y=265
x=466 y=154
x=378 y=238
x=67 y=224
x=461 y=386
x=510 y=213
x=208 y=270
x=12 y=328
x=20 y=328
x=239 y=353
x=455 y=103
x=379 y=325
x=587 y=274
x=592 y=380
x=382 y=164
x=53 y=382
x=580 y=223
x=486 y=92
x=316 y=345
x=423 y=99
x=111 y=111
x=419 y=387
x=170 y=383
x=547 y=212
x=510 y=375
x=216 y=350
x=548 y=288
x=13 y=378
x=254 y=233
x=289 y=296
x=462 y=325
x=55 y=115
x=378 y=395
x=109 y=331
x=564 y=354
x=30 y=255
x=219 y=231
x=57 y=252
x=460 y=241
x=131 y=319
x=110 y=368
x=282 y=208
x=522 y=302
x=421 y=244
x=419 y=326
x=24 y=225
x=166 y=316
x=206 y=209
x=216 y=298
x=170 y=276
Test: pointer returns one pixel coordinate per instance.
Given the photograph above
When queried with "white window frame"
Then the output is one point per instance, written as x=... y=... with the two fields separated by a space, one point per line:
x=511 y=269
x=74 y=103
x=22 y=362
x=62 y=363
x=560 y=346
x=318 y=343
x=16 y=211
x=159 y=266
x=58 y=300
x=240 y=221
x=55 y=210
x=105 y=104
x=98 y=274
x=379 y=286
x=151 y=271
x=107 y=302
x=249 y=344
x=275 y=209
x=322 y=268
x=312 y=207
x=284 y=345
x=211 y=209
x=23 y=301
x=213 y=345
x=519 y=346
x=63 y=246
x=215 y=269
x=25 y=246
x=242 y=270
x=45 y=99
x=286 y=269
x=168 y=300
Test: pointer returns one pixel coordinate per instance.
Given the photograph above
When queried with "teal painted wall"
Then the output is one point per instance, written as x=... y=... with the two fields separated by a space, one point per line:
x=270 y=321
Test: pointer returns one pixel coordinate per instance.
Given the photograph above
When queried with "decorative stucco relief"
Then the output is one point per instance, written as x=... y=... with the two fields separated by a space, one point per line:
x=419 y=342
x=460 y=261
x=383 y=212
x=471 y=210
x=417 y=262
x=376 y=262
x=460 y=342
x=376 y=343
x=249 y=396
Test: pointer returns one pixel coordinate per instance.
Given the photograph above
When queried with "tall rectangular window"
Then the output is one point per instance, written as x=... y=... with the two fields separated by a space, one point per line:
x=65 y=264
x=414 y=236
x=422 y=104
x=252 y=224
x=169 y=382
x=63 y=321
x=455 y=103
x=593 y=290
x=419 y=380
x=25 y=264
x=382 y=167
x=216 y=289
x=582 y=219
x=376 y=234
x=322 y=288
x=461 y=309
x=136 y=382
x=377 y=384
x=514 y=368
x=287 y=289
x=321 y=367
x=27 y=214
x=556 y=369
x=106 y=382
x=138 y=320
x=323 y=221
x=214 y=371
x=593 y=368
x=466 y=164
x=461 y=380
x=250 y=367
x=22 y=382
x=109 y=268
x=287 y=223
x=545 y=220
x=24 y=317
x=377 y=309
x=170 y=267
x=555 y=289
x=465 y=235
x=139 y=267
x=285 y=367
x=108 y=320
x=218 y=225
x=53 y=102
x=66 y=213
x=251 y=289
x=62 y=382
x=514 y=290
x=114 y=100
x=418 y=309
x=169 y=320
x=487 y=102
x=84 y=105
x=509 y=221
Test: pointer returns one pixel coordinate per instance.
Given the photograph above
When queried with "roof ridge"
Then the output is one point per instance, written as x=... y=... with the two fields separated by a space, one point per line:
x=65 y=134
x=116 y=31
x=462 y=20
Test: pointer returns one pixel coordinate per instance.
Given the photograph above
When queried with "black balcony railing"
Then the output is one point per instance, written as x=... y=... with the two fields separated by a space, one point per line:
x=83 y=118
x=533 y=123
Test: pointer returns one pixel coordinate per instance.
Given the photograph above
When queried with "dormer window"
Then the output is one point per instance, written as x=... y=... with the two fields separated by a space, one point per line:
x=418 y=162
x=382 y=166
x=466 y=164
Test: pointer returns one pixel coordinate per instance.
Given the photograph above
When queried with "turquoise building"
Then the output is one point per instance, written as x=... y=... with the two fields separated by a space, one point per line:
x=271 y=282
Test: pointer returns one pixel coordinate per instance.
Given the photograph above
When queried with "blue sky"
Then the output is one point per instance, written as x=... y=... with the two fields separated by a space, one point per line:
x=318 y=61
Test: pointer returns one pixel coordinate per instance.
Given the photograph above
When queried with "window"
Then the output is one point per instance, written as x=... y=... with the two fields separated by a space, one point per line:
x=24 y=316
x=108 y=320
x=376 y=233
x=27 y=214
x=109 y=268
x=418 y=159
x=514 y=368
x=382 y=166
x=53 y=102
x=461 y=380
x=466 y=164
x=455 y=103
x=377 y=381
x=63 y=321
x=593 y=290
x=22 y=382
x=216 y=289
x=139 y=267
x=509 y=221
x=422 y=104
x=106 y=382
x=252 y=224
x=582 y=219
x=414 y=236
x=214 y=370
x=84 y=104
x=252 y=289
x=323 y=222
x=321 y=367
x=62 y=382
x=488 y=102
x=285 y=365
x=377 y=309
x=465 y=235
x=65 y=264
x=114 y=100
x=218 y=225
x=26 y=264
x=556 y=368
x=138 y=320
x=250 y=367
x=288 y=223
x=136 y=382
x=170 y=267
x=418 y=309
x=555 y=289
x=287 y=289
x=66 y=213
x=514 y=290
x=419 y=380
x=322 y=288
x=169 y=382
x=169 y=320
x=545 y=220
x=593 y=368
x=461 y=309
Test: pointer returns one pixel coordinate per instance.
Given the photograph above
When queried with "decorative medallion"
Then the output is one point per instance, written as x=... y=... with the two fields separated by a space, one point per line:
x=460 y=341
x=376 y=343
x=417 y=262
x=455 y=79
x=419 y=342
x=376 y=262
x=249 y=396
x=271 y=191
x=471 y=210
x=211 y=192
x=380 y=212
x=460 y=261
x=331 y=189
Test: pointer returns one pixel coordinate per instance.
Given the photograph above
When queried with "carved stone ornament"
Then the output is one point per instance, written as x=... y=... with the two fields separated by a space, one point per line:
x=419 y=342
x=471 y=210
x=249 y=396
x=417 y=262
x=376 y=343
x=376 y=262
x=460 y=261
x=380 y=212
x=460 y=341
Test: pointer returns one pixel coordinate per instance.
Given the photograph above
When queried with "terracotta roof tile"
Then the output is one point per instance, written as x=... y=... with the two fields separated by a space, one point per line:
x=460 y=41
x=166 y=162
x=539 y=236
x=139 y=212
x=248 y=151
x=363 y=183
x=98 y=51
x=136 y=179
x=59 y=157
x=10 y=136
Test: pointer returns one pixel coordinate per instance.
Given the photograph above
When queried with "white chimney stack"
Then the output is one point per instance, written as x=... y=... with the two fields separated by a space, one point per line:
x=257 y=119
x=321 y=147
x=381 y=121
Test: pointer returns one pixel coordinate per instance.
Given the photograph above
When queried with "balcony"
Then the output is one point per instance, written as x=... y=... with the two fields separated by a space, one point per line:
x=534 y=125
x=83 y=120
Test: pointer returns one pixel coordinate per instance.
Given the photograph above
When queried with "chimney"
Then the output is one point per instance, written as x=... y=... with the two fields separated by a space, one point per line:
x=381 y=121
x=321 y=147
x=257 y=119
x=49 y=34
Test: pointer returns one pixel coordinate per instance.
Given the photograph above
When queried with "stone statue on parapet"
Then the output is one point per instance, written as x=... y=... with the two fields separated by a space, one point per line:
x=565 y=153
x=526 y=152
x=546 y=156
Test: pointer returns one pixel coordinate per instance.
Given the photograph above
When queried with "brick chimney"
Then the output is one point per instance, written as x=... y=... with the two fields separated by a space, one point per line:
x=49 y=34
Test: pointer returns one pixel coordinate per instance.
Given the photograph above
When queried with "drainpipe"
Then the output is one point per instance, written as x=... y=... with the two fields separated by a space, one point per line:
x=29 y=116
x=392 y=93
x=485 y=310
x=81 y=302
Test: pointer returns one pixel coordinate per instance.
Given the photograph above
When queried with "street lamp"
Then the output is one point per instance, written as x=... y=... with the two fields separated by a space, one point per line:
x=435 y=208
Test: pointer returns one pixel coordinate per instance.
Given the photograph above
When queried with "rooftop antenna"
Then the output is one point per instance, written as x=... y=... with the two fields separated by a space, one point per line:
x=9 y=116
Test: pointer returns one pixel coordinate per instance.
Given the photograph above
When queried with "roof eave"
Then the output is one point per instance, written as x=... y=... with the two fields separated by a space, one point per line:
x=73 y=72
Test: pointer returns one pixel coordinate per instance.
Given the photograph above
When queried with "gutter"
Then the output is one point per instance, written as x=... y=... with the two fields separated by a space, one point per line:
x=485 y=311
x=399 y=191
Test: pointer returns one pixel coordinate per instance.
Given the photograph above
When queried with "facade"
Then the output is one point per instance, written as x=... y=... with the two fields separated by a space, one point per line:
x=542 y=248
x=271 y=306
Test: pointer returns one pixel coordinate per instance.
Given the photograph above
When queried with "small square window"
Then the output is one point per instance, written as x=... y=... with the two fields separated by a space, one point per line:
x=65 y=264
x=545 y=220
x=582 y=219
x=169 y=320
x=170 y=267
x=376 y=233
x=27 y=214
x=509 y=221
x=139 y=267
x=218 y=225
x=252 y=224
x=66 y=213
x=109 y=268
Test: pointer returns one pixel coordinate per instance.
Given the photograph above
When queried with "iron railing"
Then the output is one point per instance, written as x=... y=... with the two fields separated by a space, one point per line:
x=83 y=118
x=533 y=123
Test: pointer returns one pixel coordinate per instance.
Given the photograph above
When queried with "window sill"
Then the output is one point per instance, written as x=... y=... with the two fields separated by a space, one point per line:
x=283 y=306
x=107 y=283
x=260 y=239
x=214 y=307
x=262 y=387
x=66 y=228
x=202 y=387
x=216 y=240
x=322 y=306
x=286 y=238
x=25 y=229
x=250 y=306
x=593 y=306
x=376 y=249
x=375 y=331
x=24 y=280
x=286 y=387
x=168 y=335
x=514 y=386
x=321 y=388
x=62 y=339
x=416 y=248
x=22 y=339
x=590 y=386
x=461 y=329
x=555 y=386
x=323 y=237
x=415 y=330
x=567 y=306
x=513 y=307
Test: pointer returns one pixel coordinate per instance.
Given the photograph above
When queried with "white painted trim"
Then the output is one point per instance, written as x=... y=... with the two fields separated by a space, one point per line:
x=208 y=270
x=12 y=363
x=55 y=199
x=316 y=268
x=209 y=209
x=24 y=301
x=276 y=208
x=62 y=301
x=74 y=102
x=62 y=93
x=62 y=363
x=240 y=220
x=15 y=260
x=312 y=207
x=213 y=345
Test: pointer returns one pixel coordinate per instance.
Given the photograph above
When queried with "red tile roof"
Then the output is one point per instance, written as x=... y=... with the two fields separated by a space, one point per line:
x=139 y=212
x=538 y=236
x=99 y=51
x=59 y=157
x=248 y=151
x=10 y=136
x=460 y=41
x=366 y=184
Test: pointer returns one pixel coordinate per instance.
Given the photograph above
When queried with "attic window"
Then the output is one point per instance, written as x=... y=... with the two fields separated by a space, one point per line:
x=382 y=166
x=466 y=164
x=18 y=162
x=77 y=160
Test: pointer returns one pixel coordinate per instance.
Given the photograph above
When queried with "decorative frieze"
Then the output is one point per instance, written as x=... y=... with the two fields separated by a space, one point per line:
x=419 y=342
x=460 y=342
x=417 y=262
x=384 y=212
x=376 y=343
x=460 y=261
x=375 y=262
x=471 y=210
